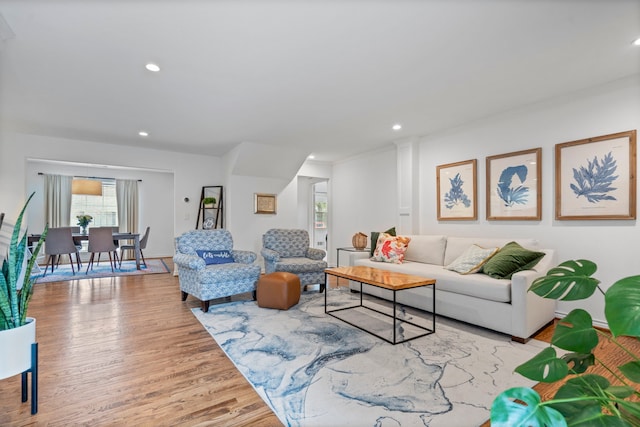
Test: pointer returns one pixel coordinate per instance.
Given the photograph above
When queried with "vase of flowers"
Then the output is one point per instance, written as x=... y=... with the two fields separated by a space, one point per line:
x=83 y=221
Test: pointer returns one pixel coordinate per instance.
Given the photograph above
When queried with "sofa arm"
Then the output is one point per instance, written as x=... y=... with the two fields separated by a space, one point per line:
x=193 y=262
x=316 y=254
x=244 y=257
x=270 y=255
x=354 y=256
x=531 y=312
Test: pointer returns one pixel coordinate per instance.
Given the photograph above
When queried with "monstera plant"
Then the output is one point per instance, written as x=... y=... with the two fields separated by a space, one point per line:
x=585 y=399
x=14 y=299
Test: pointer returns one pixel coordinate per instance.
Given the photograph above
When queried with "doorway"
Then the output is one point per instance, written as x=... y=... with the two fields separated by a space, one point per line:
x=320 y=217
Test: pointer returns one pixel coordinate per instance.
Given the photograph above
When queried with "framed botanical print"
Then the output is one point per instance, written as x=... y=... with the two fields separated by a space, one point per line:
x=596 y=178
x=457 y=191
x=514 y=183
x=265 y=203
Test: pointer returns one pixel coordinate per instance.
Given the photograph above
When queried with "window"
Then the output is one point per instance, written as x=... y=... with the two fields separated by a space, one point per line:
x=320 y=212
x=103 y=209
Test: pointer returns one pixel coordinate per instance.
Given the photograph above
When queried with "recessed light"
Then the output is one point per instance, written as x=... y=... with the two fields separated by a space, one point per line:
x=636 y=42
x=311 y=156
x=397 y=126
x=143 y=133
x=152 y=67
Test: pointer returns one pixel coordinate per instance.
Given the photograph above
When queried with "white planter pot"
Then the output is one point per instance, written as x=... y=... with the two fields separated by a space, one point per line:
x=15 y=349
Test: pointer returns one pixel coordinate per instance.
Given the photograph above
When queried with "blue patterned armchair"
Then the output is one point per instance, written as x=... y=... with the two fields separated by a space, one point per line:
x=207 y=282
x=289 y=251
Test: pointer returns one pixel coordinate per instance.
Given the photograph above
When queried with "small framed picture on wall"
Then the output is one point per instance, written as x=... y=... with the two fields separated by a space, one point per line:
x=265 y=203
x=457 y=191
x=596 y=178
x=514 y=185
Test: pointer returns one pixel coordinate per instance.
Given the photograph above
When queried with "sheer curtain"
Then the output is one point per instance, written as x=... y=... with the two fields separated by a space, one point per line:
x=57 y=200
x=127 y=199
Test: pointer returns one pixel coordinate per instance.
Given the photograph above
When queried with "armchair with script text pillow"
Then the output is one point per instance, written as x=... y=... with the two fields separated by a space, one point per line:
x=210 y=268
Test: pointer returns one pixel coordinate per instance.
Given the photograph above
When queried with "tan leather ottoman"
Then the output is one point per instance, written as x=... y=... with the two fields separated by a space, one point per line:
x=278 y=290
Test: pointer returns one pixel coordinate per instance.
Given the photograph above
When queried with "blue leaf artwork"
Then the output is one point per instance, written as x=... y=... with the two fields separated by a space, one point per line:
x=456 y=195
x=594 y=181
x=518 y=194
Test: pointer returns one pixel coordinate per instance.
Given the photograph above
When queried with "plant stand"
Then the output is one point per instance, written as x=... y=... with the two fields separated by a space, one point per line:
x=19 y=355
x=211 y=217
x=34 y=380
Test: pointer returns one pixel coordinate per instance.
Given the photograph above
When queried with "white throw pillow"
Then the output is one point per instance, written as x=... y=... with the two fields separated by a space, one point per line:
x=472 y=259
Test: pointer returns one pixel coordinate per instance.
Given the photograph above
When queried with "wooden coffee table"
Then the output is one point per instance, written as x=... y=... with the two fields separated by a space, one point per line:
x=392 y=281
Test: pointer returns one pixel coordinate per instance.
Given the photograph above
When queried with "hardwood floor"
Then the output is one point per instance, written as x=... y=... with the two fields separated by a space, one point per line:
x=127 y=351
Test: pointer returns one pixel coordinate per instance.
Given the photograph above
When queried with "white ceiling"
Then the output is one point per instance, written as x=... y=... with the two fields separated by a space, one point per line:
x=329 y=77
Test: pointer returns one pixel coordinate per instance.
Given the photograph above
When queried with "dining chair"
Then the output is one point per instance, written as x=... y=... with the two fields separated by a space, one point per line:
x=143 y=245
x=76 y=230
x=60 y=242
x=101 y=240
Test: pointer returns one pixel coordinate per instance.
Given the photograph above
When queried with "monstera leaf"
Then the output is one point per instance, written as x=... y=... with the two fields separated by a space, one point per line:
x=585 y=399
x=507 y=411
x=579 y=362
x=575 y=332
x=580 y=400
x=622 y=307
x=545 y=367
x=569 y=281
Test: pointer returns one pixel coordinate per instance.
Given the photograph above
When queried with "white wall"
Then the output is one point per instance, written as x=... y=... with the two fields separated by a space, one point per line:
x=190 y=173
x=613 y=245
x=245 y=225
x=364 y=196
x=151 y=192
x=167 y=178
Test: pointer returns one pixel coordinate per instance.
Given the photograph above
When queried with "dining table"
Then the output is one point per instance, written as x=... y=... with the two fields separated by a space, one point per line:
x=78 y=237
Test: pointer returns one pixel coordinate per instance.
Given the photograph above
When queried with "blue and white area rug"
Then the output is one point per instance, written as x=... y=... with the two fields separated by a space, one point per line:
x=314 y=370
x=128 y=268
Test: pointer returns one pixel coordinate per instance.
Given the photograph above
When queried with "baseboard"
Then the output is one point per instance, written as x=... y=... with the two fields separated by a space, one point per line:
x=600 y=324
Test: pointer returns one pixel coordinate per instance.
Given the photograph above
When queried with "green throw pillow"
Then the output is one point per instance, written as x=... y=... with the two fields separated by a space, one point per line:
x=511 y=259
x=374 y=239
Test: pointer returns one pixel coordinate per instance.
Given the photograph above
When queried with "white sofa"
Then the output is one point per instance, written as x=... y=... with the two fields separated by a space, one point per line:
x=498 y=304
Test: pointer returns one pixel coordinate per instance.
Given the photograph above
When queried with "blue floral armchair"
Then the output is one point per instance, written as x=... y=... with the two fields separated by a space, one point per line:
x=289 y=251
x=207 y=282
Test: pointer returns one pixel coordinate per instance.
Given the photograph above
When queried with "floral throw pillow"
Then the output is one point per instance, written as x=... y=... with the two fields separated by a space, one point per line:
x=390 y=248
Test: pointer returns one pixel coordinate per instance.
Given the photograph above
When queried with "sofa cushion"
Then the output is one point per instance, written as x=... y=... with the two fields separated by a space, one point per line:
x=510 y=259
x=474 y=285
x=428 y=249
x=300 y=265
x=390 y=248
x=374 y=238
x=472 y=259
x=457 y=245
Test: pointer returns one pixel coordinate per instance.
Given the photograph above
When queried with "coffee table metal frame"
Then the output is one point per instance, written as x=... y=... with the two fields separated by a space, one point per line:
x=348 y=273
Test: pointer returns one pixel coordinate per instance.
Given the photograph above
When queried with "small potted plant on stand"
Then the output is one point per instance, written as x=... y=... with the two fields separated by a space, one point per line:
x=209 y=202
x=18 y=347
x=84 y=221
